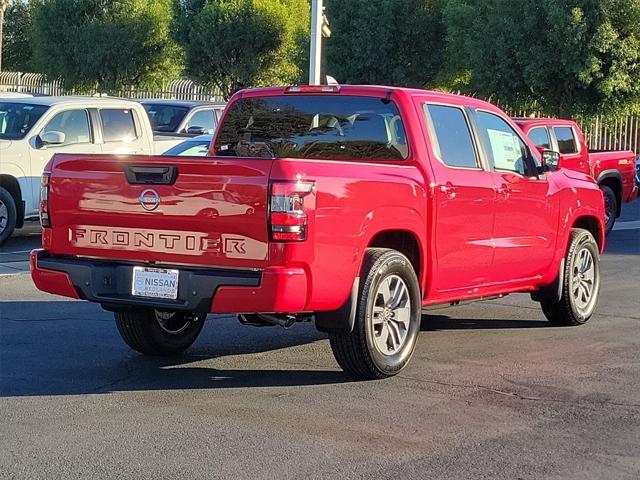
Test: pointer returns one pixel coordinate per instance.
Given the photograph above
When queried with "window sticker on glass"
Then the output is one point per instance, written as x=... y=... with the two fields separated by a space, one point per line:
x=506 y=150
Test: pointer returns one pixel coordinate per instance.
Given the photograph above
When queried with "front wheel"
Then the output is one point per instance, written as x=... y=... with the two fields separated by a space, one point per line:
x=580 y=285
x=8 y=215
x=155 y=332
x=387 y=318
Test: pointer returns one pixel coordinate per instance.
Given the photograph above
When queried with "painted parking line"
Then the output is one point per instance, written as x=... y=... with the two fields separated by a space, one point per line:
x=15 y=253
x=635 y=225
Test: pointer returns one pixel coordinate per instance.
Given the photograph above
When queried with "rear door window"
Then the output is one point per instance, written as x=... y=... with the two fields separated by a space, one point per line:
x=566 y=140
x=451 y=137
x=540 y=137
x=313 y=126
x=118 y=125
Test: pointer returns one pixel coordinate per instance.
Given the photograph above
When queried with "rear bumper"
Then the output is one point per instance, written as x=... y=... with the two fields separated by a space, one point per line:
x=280 y=290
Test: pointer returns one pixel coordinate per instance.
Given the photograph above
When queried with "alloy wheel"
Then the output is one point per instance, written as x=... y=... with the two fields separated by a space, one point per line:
x=391 y=315
x=584 y=281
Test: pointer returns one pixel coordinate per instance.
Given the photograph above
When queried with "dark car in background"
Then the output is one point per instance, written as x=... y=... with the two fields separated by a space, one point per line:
x=183 y=118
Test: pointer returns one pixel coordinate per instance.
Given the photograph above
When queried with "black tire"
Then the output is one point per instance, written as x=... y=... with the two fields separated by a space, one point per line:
x=157 y=333
x=9 y=218
x=566 y=311
x=356 y=352
x=611 y=207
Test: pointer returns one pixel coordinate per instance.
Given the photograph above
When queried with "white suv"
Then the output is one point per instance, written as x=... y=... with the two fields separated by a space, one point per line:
x=32 y=130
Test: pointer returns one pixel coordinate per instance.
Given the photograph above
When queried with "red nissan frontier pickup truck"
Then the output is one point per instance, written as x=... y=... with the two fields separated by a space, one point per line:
x=614 y=170
x=350 y=206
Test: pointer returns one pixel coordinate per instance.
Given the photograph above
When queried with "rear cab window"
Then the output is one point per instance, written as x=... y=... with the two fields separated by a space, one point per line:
x=165 y=118
x=336 y=127
x=566 y=140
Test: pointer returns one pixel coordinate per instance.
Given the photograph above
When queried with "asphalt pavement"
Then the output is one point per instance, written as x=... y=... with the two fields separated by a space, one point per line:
x=493 y=391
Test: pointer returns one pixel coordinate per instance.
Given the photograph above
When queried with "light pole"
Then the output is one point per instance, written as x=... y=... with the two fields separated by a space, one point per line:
x=319 y=29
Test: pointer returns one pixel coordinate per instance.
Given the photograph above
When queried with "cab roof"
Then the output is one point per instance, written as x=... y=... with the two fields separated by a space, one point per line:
x=375 y=90
x=178 y=103
x=69 y=100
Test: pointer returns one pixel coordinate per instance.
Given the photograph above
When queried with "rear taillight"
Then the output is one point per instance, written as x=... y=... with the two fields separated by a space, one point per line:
x=288 y=217
x=45 y=220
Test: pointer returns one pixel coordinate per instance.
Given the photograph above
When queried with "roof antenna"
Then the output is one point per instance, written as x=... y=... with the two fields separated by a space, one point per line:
x=387 y=98
x=331 y=80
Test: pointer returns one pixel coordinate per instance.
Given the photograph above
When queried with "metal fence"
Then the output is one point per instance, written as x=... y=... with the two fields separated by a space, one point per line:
x=178 y=89
x=622 y=135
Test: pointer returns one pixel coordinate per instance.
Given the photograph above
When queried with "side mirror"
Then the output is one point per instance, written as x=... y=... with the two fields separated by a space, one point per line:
x=195 y=130
x=550 y=160
x=52 y=138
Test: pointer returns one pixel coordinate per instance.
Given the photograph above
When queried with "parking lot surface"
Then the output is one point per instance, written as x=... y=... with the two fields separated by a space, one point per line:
x=493 y=391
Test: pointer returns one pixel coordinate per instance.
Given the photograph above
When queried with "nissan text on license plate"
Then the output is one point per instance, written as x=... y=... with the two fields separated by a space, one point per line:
x=155 y=283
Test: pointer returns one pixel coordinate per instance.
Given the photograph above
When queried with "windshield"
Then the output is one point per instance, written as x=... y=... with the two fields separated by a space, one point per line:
x=165 y=118
x=313 y=126
x=190 y=148
x=16 y=119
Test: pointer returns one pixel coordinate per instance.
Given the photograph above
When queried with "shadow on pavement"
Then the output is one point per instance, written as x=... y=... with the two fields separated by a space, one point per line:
x=73 y=348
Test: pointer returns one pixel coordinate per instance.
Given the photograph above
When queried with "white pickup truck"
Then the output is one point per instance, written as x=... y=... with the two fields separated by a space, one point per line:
x=33 y=129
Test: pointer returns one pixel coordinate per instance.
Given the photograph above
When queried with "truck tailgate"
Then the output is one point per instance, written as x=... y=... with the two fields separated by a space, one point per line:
x=213 y=213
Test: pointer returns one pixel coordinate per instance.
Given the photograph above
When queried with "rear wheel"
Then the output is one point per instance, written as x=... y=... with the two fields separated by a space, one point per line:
x=581 y=283
x=387 y=318
x=610 y=207
x=8 y=215
x=155 y=332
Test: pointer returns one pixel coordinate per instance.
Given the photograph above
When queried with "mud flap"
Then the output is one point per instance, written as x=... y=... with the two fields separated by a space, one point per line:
x=343 y=319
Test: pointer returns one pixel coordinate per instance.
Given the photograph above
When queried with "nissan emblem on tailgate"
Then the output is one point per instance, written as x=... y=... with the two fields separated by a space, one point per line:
x=149 y=199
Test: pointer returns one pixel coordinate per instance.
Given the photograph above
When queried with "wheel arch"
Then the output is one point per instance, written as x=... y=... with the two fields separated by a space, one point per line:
x=405 y=242
x=11 y=185
x=594 y=226
x=613 y=180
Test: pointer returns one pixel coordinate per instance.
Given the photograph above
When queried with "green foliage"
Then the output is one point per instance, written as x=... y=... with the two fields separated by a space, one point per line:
x=111 y=43
x=395 y=42
x=565 y=57
x=235 y=43
x=16 y=49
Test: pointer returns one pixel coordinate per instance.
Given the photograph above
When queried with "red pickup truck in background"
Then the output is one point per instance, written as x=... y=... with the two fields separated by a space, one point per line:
x=613 y=170
x=364 y=205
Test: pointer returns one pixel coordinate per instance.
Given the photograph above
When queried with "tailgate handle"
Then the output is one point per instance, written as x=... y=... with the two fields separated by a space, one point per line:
x=145 y=175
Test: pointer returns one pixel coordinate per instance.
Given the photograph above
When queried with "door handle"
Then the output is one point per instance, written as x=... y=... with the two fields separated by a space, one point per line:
x=505 y=191
x=449 y=190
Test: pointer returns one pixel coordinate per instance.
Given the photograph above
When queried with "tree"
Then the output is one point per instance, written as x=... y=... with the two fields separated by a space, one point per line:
x=394 y=42
x=111 y=44
x=230 y=44
x=564 y=57
x=16 y=49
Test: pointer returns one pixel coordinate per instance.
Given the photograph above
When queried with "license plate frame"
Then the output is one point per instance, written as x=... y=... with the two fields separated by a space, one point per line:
x=158 y=283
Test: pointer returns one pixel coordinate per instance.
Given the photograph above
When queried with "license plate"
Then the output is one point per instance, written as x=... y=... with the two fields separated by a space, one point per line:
x=155 y=283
